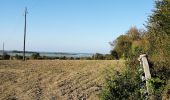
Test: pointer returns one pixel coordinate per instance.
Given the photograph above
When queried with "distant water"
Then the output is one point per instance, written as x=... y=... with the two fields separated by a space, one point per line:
x=52 y=54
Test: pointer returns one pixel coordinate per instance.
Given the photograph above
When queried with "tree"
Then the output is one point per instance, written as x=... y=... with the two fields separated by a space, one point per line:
x=133 y=33
x=35 y=56
x=159 y=42
x=159 y=34
x=108 y=57
x=114 y=54
x=156 y=43
x=127 y=45
x=98 y=56
x=18 y=57
x=123 y=46
x=6 y=56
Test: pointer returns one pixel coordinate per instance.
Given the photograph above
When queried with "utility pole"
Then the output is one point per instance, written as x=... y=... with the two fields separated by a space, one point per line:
x=25 y=27
x=3 y=51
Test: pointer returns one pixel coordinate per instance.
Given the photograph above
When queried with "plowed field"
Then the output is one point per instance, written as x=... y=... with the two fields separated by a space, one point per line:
x=54 y=79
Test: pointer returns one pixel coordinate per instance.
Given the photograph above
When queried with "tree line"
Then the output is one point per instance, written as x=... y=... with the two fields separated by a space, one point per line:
x=37 y=56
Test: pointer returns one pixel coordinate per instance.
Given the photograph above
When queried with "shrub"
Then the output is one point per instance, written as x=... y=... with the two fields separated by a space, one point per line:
x=108 y=57
x=121 y=87
x=157 y=86
x=114 y=54
x=98 y=56
x=6 y=56
x=35 y=56
x=63 y=58
x=18 y=57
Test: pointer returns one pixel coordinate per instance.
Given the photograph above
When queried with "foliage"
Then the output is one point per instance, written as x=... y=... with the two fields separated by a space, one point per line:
x=18 y=57
x=128 y=44
x=123 y=46
x=157 y=86
x=5 y=56
x=114 y=54
x=108 y=57
x=159 y=45
x=155 y=42
x=166 y=92
x=35 y=56
x=159 y=34
x=121 y=87
x=134 y=34
x=63 y=58
x=98 y=56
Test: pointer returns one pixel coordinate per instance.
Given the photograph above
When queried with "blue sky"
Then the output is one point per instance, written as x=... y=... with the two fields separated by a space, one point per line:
x=70 y=25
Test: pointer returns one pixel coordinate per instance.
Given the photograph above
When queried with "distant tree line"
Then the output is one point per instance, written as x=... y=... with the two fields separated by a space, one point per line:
x=37 y=56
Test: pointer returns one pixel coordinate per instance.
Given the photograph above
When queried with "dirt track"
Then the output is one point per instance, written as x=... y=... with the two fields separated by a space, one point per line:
x=53 y=79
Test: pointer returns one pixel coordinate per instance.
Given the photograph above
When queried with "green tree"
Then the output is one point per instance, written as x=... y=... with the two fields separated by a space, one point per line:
x=35 y=56
x=158 y=46
x=123 y=46
x=18 y=57
x=108 y=57
x=133 y=33
x=6 y=56
x=127 y=45
x=98 y=56
x=156 y=43
x=159 y=34
x=114 y=54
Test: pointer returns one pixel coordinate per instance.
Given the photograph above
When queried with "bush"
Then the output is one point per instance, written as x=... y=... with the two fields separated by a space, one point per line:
x=166 y=92
x=6 y=56
x=35 y=56
x=157 y=86
x=85 y=58
x=63 y=58
x=98 y=56
x=108 y=57
x=114 y=54
x=121 y=87
x=18 y=57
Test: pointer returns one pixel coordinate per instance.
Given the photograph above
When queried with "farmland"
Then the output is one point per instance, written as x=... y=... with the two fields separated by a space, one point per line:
x=54 y=79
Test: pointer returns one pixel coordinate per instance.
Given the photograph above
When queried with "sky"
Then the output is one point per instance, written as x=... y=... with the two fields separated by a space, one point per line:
x=81 y=26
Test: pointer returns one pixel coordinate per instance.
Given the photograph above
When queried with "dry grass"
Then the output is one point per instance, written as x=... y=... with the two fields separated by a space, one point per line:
x=53 y=79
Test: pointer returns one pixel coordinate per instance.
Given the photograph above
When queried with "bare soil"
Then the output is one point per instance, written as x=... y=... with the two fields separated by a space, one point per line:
x=54 y=79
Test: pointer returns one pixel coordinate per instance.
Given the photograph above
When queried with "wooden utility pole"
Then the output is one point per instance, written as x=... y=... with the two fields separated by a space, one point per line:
x=3 y=51
x=25 y=27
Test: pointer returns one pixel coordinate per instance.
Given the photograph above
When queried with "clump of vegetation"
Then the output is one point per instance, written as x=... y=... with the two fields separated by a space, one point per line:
x=158 y=37
x=18 y=57
x=155 y=42
x=63 y=58
x=35 y=56
x=5 y=56
x=128 y=45
x=121 y=86
x=99 y=56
